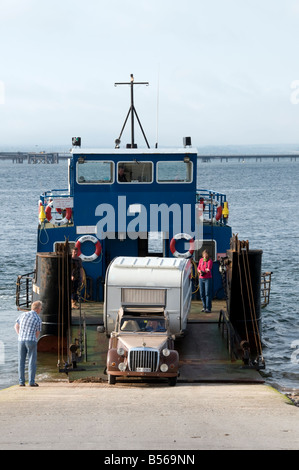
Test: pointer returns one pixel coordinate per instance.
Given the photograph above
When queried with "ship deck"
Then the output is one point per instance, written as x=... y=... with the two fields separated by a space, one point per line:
x=204 y=353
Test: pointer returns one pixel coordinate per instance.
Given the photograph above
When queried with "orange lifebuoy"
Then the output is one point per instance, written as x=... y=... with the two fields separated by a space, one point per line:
x=219 y=213
x=53 y=220
x=98 y=247
x=173 y=249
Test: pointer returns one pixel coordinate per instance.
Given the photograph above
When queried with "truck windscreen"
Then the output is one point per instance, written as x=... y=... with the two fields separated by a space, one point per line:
x=149 y=324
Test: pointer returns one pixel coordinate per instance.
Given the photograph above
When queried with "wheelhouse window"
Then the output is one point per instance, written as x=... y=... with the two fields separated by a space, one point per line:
x=94 y=172
x=135 y=172
x=174 y=172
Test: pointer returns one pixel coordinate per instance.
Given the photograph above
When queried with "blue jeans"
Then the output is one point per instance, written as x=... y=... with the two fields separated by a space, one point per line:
x=205 y=286
x=30 y=348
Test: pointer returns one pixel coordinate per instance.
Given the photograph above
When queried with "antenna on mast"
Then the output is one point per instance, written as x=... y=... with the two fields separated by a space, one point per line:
x=131 y=111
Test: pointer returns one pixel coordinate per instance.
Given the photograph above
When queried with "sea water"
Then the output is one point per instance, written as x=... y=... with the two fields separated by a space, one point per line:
x=263 y=204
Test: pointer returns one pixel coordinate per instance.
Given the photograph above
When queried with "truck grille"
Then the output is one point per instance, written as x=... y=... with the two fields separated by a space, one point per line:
x=143 y=360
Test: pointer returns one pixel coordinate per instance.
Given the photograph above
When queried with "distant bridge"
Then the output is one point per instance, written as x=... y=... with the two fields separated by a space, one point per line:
x=243 y=158
x=32 y=157
x=54 y=157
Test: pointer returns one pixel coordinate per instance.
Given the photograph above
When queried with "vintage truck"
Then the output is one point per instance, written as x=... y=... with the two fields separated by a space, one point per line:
x=146 y=306
x=142 y=346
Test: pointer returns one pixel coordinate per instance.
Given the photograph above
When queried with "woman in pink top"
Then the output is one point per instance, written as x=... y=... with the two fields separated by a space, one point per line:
x=205 y=266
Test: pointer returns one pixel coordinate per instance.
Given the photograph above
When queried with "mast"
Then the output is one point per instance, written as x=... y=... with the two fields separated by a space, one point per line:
x=133 y=112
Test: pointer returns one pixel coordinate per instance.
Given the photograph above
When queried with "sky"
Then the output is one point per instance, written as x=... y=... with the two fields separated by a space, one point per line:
x=225 y=72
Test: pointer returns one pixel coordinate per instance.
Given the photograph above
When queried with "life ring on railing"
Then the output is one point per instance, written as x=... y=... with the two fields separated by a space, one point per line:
x=221 y=209
x=53 y=220
x=218 y=213
x=173 y=249
x=98 y=247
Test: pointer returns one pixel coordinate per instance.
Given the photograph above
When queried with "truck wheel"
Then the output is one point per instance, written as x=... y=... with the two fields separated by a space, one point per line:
x=111 y=379
x=172 y=381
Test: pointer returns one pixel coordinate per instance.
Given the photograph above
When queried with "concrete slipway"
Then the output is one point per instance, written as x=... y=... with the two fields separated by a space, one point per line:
x=194 y=416
x=217 y=404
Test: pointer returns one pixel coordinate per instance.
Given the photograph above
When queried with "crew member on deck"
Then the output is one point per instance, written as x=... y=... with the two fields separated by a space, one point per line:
x=76 y=276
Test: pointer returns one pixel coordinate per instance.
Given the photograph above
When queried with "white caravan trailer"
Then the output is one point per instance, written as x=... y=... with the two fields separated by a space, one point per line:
x=149 y=282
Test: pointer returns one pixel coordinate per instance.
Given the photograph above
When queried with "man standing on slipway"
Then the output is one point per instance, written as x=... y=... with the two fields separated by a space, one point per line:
x=28 y=327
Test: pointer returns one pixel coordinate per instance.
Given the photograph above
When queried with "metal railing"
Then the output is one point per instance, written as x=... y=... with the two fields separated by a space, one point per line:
x=265 y=288
x=211 y=201
x=24 y=291
x=54 y=193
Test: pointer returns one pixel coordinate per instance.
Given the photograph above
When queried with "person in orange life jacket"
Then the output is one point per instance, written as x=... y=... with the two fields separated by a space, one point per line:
x=205 y=266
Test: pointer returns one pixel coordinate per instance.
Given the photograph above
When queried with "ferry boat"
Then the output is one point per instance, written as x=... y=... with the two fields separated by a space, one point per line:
x=136 y=202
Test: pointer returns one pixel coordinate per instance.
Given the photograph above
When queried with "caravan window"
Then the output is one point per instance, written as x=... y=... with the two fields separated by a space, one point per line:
x=94 y=172
x=174 y=172
x=135 y=172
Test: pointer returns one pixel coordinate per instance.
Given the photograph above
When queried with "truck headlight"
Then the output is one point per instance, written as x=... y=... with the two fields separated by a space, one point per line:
x=166 y=352
x=122 y=366
x=164 y=367
x=120 y=351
